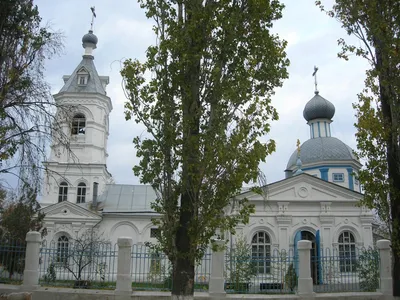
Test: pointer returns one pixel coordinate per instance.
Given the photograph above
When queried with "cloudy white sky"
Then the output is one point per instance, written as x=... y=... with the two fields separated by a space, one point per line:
x=124 y=32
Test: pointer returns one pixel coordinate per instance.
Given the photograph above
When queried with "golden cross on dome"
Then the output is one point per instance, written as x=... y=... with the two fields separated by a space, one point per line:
x=298 y=147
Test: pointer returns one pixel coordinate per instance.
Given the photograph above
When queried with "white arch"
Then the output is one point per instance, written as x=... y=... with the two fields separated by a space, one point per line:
x=128 y=223
x=63 y=179
x=301 y=227
x=78 y=181
x=264 y=228
x=146 y=228
x=349 y=228
x=83 y=110
x=60 y=233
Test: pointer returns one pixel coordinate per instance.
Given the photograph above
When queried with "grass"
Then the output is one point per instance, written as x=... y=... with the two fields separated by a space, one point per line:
x=136 y=286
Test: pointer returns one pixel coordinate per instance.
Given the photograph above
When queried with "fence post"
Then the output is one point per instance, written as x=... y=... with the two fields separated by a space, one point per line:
x=124 y=278
x=304 y=284
x=385 y=269
x=31 y=271
x=217 y=280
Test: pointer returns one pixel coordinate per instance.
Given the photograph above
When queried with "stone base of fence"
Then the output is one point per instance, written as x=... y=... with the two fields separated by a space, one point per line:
x=77 y=294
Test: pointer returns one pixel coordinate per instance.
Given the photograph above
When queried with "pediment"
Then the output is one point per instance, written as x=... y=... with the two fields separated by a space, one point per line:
x=305 y=188
x=67 y=210
x=83 y=70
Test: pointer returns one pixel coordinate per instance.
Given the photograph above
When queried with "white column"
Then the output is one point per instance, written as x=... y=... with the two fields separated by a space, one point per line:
x=31 y=272
x=304 y=284
x=217 y=281
x=124 y=278
x=385 y=269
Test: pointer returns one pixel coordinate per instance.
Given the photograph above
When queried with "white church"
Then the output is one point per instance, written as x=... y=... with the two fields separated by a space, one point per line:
x=316 y=200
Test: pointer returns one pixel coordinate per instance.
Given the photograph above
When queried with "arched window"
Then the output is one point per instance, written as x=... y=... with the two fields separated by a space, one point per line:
x=78 y=124
x=261 y=252
x=62 y=249
x=63 y=192
x=347 y=252
x=81 y=193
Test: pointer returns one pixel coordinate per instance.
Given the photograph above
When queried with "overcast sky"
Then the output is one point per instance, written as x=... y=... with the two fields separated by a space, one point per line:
x=124 y=32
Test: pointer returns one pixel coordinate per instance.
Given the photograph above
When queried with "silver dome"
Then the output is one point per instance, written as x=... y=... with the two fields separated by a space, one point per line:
x=320 y=150
x=89 y=38
x=318 y=108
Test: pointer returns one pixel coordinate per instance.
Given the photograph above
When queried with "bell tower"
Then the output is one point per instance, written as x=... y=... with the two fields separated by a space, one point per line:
x=78 y=173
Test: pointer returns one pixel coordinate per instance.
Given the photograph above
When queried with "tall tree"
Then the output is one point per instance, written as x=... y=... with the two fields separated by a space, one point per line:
x=21 y=215
x=376 y=24
x=18 y=217
x=206 y=107
x=27 y=109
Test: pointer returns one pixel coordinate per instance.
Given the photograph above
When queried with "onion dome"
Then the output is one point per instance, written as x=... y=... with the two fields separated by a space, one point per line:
x=318 y=108
x=89 y=39
x=322 y=151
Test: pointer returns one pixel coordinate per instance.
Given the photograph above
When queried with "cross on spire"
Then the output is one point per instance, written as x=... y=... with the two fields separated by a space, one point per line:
x=93 y=16
x=315 y=79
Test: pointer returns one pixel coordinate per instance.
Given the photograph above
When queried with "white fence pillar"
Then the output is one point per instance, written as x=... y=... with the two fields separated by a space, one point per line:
x=31 y=271
x=385 y=269
x=304 y=284
x=217 y=281
x=124 y=278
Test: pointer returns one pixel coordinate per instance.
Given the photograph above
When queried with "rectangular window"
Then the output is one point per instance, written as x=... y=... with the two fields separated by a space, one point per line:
x=62 y=193
x=338 y=177
x=154 y=232
x=82 y=80
x=81 y=194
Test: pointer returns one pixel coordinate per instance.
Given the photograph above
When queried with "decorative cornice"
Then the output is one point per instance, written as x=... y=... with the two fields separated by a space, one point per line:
x=366 y=220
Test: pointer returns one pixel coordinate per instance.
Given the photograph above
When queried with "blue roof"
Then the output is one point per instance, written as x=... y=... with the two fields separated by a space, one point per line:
x=322 y=150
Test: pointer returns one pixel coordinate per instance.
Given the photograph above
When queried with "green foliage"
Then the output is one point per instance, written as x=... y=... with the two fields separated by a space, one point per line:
x=368 y=269
x=22 y=215
x=291 y=278
x=241 y=268
x=18 y=217
x=50 y=275
x=12 y=255
x=207 y=110
x=376 y=25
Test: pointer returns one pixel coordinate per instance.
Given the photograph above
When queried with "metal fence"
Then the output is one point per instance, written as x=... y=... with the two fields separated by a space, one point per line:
x=271 y=272
x=152 y=270
x=251 y=273
x=79 y=265
x=12 y=260
x=95 y=266
x=347 y=270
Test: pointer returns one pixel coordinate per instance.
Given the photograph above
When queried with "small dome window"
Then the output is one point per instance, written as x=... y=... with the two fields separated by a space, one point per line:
x=83 y=76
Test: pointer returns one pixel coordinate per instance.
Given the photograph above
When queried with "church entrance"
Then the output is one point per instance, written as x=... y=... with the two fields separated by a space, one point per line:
x=314 y=252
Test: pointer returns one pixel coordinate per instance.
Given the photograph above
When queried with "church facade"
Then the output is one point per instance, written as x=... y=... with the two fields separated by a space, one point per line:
x=317 y=200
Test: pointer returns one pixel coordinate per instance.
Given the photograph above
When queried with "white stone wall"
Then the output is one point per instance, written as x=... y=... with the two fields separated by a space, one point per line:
x=73 y=175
